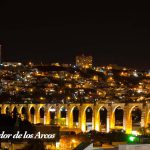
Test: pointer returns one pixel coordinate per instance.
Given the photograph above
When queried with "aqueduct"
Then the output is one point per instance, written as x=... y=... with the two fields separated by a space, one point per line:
x=102 y=115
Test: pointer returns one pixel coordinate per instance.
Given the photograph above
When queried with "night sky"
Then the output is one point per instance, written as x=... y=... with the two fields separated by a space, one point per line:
x=57 y=33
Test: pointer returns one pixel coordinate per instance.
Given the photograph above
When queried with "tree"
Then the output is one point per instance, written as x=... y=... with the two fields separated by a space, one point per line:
x=13 y=124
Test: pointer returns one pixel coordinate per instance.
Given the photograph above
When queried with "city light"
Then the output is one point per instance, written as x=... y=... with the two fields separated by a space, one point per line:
x=131 y=138
x=98 y=99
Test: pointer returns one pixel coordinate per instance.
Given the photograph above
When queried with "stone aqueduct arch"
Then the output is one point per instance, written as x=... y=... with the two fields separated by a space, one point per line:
x=111 y=108
x=146 y=114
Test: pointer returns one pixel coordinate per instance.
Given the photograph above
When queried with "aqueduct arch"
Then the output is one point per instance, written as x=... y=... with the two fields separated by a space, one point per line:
x=89 y=118
x=147 y=121
x=103 y=118
x=23 y=112
x=51 y=115
x=33 y=113
x=99 y=115
x=7 y=110
x=117 y=114
x=41 y=115
x=83 y=116
x=63 y=115
x=129 y=116
x=136 y=114
x=75 y=114
x=15 y=111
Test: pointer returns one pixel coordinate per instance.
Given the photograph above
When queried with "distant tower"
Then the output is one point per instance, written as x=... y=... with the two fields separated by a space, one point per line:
x=84 y=61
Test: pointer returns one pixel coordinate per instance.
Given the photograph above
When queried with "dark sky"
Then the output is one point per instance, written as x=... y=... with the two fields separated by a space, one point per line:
x=45 y=32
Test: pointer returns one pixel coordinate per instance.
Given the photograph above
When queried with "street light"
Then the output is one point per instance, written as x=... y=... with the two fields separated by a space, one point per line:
x=133 y=139
x=73 y=141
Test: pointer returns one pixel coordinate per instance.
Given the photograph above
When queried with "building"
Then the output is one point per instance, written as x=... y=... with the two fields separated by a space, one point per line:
x=11 y=64
x=84 y=61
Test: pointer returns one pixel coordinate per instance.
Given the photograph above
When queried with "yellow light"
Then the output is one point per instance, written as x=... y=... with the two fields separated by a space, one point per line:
x=17 y=89
x=128 y=130
x=97 y=126
x=83 y=127
x=73 y=140
x=41 y=98
x=135 y=133
x=31 y=90
x=30 y=63
x=68 y=98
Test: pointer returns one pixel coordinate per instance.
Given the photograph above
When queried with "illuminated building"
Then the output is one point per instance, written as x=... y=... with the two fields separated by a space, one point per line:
x=84 y=61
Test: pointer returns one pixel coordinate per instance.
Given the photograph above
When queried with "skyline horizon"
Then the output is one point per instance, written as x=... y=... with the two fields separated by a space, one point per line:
x=48 y=62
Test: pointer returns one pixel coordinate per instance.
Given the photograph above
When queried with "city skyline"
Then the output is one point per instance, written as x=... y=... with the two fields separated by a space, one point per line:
x=74 y=63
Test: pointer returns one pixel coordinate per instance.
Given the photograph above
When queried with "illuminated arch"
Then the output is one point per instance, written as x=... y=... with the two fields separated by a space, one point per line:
x=139 y=111
x=117 y=110
x=89 y=118
x=51 y=115
x=103 y=111
x=41 y=114
x=52 y=111
x=22 y=112
x=83 y=117
x=99 y=110
x=62 y=116
x=131 y=117
x=22 y=109
x=101 y=118
x=7 y=110
x=52 y=107
x=148 y=118
x=15 y=112
x=15 y=109
x=32 y=110
x=63 y=112
x=75 y=115
x=32 y=114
